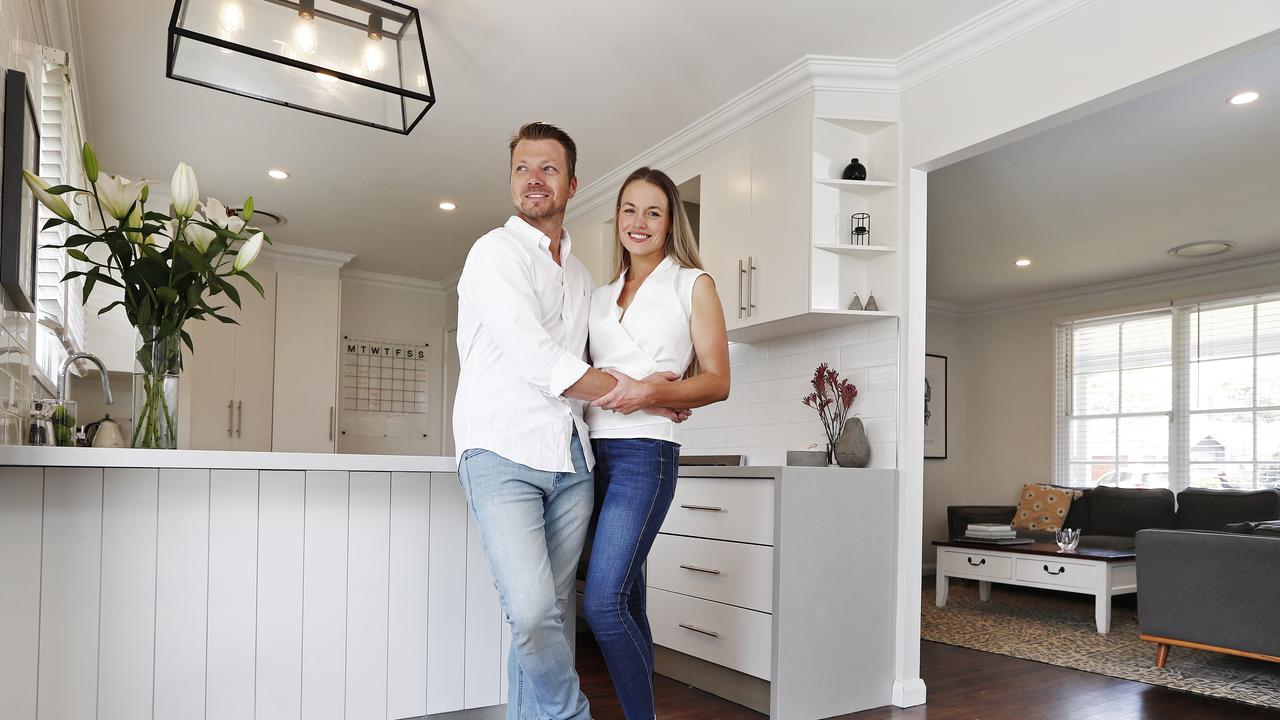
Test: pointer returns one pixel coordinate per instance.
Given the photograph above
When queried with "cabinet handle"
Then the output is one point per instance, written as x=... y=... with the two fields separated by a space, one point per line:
x=708 y=508
x=330 y=423
x=1061 y=569
x=699 y=630
x=230 y=403
x=981 y=562
x=742 y=307
x=695 y=568
x=751 y=295
x=239 y=417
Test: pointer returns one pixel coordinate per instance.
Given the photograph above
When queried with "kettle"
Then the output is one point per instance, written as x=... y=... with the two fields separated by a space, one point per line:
x=104 y=433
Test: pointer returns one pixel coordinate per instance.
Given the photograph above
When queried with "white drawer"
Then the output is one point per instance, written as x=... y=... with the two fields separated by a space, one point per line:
x=738 y=509
x=728 y=572
x=977 y=564
x=1052 y=571
x=721 y=634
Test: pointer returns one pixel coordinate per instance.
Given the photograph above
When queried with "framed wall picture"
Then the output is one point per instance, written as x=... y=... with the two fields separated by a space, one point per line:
x=935 y=407
x=18 y=215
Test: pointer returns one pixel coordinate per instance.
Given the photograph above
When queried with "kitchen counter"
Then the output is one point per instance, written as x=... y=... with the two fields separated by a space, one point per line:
x=219 y=460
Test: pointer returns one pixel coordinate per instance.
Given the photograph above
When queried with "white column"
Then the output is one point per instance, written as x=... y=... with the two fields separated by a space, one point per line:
x=21 y=498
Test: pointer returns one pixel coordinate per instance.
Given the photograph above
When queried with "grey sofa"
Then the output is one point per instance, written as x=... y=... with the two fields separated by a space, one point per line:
x=1110 y=517
x=1211 y=590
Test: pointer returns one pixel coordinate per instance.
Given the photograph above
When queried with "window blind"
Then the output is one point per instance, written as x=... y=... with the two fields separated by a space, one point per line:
x=1114 y=401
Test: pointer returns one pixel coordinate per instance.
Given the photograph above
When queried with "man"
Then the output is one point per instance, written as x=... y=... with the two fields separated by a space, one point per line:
x=524 y=459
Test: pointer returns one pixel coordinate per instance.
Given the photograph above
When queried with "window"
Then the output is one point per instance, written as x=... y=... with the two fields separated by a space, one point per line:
x=1183 y=397
x=60 y=319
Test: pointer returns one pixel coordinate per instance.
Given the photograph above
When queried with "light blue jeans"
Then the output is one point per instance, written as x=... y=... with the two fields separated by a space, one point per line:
x=533 y=524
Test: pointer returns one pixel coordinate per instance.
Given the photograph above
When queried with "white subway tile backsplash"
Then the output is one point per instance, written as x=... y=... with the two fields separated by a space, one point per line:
x=794 y=345
x=765 y=417
x=841 y=336
x=877 y=352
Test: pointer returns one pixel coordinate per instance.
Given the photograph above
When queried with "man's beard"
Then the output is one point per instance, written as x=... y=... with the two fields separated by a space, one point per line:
x=550 y=209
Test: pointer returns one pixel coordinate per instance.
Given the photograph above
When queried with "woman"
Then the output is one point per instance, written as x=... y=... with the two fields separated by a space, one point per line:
x=658 y=315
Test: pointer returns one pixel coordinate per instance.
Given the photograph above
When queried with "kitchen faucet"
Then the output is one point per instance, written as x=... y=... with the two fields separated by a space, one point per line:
x=66 y=371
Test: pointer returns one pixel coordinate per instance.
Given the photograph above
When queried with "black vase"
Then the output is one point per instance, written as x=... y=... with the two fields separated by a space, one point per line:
x=855 y=171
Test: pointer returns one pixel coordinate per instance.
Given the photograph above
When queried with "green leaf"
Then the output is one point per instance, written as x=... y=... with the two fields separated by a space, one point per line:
x=256 y=285
x=167 y=295
x=117 y=302
x=53 y=223
x=79 y=255
x=231 y=292
x=62 y=189
x=72 y=274
x=186 y=339
x=90 y=278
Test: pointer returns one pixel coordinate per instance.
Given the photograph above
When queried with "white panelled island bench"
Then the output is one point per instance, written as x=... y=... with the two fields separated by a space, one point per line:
x=175 y=584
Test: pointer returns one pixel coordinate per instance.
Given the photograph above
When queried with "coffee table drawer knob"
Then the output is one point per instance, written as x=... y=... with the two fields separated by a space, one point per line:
x=981 y=562
x=1061 y=569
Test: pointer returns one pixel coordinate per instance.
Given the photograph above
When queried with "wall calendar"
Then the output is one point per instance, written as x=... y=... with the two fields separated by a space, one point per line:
x=384 y=387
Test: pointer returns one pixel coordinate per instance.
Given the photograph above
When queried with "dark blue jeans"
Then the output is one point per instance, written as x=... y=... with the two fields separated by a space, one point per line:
x=635 y=481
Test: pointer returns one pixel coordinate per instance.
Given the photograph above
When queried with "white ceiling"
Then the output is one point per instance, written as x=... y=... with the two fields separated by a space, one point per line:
x=1105 y=197
x=619 y=76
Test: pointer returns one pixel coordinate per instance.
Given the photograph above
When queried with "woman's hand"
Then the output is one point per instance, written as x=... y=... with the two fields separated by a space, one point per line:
x=630 y=395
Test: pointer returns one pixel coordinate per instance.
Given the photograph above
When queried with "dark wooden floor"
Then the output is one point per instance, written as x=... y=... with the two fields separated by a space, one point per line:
x=962 y=684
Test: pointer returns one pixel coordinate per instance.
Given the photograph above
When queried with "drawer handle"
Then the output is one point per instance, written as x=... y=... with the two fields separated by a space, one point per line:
x=1061 y=569
x=700 y=630
x=695 y=568
x=708 y=508
x=981 y=562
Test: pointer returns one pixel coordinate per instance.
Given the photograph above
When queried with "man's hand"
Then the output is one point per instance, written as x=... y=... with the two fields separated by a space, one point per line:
x=630 y=395
x=676 y=416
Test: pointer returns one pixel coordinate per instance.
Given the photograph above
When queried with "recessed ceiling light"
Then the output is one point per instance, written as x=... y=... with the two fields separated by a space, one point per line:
x=1022 y=262
x=1243 y=98
x=1201 y=249
x=278 y=174
x=446 y=205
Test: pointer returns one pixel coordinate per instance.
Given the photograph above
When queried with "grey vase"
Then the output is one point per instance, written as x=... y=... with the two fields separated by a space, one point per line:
x=852 y=447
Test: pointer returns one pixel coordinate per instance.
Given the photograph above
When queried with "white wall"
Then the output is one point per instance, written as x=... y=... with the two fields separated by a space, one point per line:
x=391 y=310
x=1002 y=387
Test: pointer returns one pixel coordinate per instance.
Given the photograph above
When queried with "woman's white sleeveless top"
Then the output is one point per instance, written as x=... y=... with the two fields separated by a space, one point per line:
x=652 y=336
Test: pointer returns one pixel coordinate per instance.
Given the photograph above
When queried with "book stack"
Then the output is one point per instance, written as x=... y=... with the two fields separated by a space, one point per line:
x=989 y=531
x=994 y=533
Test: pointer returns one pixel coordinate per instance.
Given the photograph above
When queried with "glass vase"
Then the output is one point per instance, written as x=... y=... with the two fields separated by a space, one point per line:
x=157 y=366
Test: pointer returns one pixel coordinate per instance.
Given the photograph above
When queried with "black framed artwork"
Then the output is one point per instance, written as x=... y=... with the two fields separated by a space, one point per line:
x=935 y=407
x=18 y=216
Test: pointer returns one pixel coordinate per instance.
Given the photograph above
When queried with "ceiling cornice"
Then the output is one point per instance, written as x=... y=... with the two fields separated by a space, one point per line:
x=1222 y=269
x=310 y=256
x=398 y=282
x=978 y=35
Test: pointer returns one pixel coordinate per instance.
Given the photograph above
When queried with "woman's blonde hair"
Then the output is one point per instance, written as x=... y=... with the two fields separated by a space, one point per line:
x=681 y=244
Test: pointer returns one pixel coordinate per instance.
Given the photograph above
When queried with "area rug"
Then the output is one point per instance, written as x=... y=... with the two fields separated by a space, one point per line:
x=1058 y=629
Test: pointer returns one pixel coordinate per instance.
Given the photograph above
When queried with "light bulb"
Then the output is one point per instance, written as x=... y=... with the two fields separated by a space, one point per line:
x=231 y=17
x=304 y=36
x=372 y=58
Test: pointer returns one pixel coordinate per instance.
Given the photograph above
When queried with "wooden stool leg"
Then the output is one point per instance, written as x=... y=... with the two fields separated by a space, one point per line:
x=1162 y=654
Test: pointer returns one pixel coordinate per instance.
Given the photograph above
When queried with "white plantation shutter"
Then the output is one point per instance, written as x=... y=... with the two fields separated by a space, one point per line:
x=1114 y=401
x=1232 y=392
x=61 y=314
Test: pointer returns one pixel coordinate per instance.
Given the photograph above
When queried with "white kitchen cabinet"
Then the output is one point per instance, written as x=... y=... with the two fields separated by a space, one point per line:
x=306 y=363
x=780 y=185
x=230 y=374
x=725 y=223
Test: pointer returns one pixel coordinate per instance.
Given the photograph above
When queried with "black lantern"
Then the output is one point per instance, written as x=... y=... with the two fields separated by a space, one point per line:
x=363 y=61
x=860 y=229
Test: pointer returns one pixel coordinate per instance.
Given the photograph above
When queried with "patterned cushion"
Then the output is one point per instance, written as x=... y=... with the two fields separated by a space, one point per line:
x=1043 y=507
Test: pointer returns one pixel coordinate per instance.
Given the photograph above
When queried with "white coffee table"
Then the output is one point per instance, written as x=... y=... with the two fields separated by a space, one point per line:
x=1089 y=571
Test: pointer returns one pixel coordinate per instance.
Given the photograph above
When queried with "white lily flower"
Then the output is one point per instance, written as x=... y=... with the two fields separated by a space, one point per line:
x=118 y=195
x=198 y=235
x=248 y=253
x=222 y=217
x=184 y=190
x=40 y=189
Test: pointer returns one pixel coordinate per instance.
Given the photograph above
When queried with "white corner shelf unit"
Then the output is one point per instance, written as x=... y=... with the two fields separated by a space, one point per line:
x=841 y=267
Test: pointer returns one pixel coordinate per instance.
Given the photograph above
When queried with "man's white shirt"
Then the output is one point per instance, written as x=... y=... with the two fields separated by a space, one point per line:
x=522 y=340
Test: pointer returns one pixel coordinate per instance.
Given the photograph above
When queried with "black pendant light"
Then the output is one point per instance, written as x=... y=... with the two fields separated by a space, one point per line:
x=363 y=61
